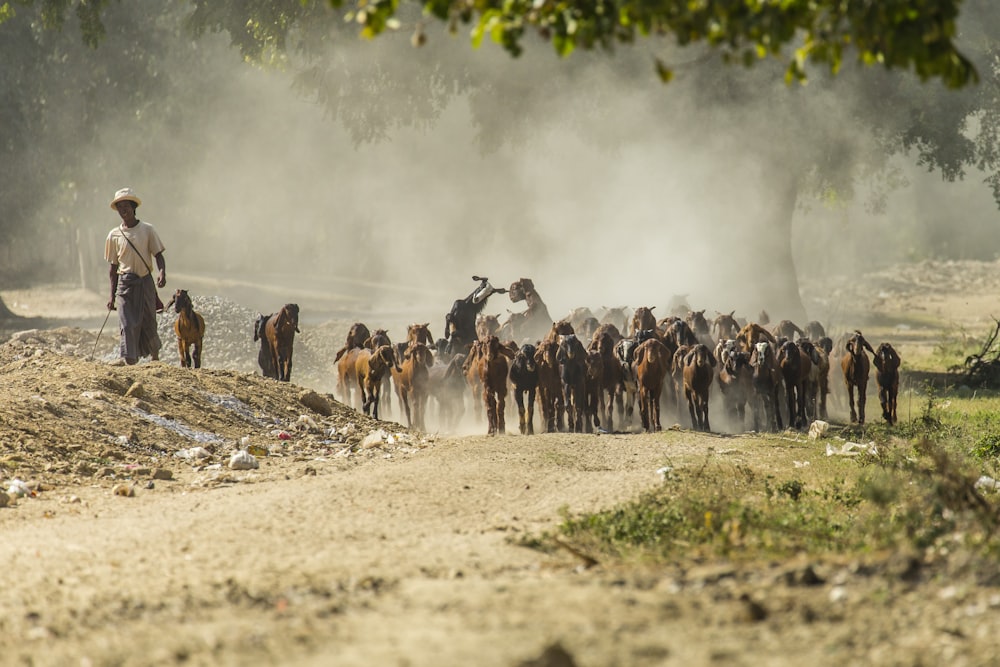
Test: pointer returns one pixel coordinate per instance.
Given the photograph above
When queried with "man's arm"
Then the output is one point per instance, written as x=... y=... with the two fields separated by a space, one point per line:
x=161 y=264
x=113 y=276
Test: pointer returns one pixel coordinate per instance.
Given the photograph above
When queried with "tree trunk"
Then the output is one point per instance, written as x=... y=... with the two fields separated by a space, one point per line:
x=5 y=313
x=778 y=273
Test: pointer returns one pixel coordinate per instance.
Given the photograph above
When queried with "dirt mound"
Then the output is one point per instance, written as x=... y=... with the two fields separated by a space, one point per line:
x=64 y=418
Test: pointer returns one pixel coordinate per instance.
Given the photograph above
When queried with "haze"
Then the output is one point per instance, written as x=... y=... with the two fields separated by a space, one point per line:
x=618 y=194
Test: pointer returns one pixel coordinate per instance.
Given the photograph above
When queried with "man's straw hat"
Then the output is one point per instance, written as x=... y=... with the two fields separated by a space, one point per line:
x=125 y=194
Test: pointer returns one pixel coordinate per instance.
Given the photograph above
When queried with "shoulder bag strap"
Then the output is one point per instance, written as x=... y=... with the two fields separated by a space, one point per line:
x=138 y=253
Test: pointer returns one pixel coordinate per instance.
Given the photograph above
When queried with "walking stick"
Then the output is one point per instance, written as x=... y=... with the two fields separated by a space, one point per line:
x=99 y=335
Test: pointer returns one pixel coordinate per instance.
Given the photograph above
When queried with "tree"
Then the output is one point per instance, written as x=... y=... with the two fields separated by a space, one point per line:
x=894 y=34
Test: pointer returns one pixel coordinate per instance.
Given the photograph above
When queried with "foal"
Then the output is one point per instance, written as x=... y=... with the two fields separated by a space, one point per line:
x=189 y=327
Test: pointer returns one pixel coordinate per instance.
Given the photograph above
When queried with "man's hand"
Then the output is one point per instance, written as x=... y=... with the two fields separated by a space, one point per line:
x=111 y=304
x=161 y=281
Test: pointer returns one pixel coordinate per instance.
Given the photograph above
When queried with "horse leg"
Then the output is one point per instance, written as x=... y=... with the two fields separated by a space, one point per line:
x=654 y=406
x=644 y=410
x=197 y=353
x=776 y=409
x=405 y=401
x=490 y=408
x=375 y=396
x=519 y=400
x=386 y=391
x=850 y=400
x=600 y=409
x=501 y=398
x=689 y=395
x=530 y=410
x=862 y=399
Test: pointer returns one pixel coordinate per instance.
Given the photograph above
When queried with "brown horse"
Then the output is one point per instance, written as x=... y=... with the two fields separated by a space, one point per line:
x=420 y=333
x=372 y=366
x=412 y=381
x=356 y=337
x=493 y=369
x=347 y=377
x=642 y=318
x=766 y=383
x=280 y=331
x=189 y=327
x=856 y=367
x=652 y=363
x=550 y=397
x=887 y=376
x=698 y=373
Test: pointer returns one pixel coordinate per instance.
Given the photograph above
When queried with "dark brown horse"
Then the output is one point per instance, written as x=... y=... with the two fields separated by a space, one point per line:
x=887 y=376
x=699 y=365
x=856 y=367
x=280 y=331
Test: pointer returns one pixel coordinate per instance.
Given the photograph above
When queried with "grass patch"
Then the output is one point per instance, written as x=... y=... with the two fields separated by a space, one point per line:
x=915 y=491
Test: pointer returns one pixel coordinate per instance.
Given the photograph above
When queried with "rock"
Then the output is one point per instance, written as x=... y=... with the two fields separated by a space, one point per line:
x=124 y=490
x=315 y=402
x=554 y=655
x=163 y=473
x=136 y=390
x=85 y=469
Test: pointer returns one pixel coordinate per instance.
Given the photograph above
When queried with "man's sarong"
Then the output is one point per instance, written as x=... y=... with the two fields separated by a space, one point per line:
x=137 y=316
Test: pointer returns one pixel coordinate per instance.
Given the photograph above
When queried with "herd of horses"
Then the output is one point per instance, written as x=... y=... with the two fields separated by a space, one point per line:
x=582 y=373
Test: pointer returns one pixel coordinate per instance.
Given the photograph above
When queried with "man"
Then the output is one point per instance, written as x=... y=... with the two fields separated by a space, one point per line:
x=130 y=249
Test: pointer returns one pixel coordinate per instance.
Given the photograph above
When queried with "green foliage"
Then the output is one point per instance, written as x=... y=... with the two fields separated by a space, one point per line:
x=910 y=497
x=897 y=34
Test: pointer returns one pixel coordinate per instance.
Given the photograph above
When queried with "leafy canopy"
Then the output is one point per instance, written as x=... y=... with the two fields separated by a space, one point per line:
x=894 y=33
x=898 y=34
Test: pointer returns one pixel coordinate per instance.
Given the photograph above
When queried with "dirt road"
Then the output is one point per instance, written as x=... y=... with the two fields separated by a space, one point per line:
x=396 y=550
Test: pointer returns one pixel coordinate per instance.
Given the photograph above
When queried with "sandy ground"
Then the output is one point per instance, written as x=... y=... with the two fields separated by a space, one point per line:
x=358 y=542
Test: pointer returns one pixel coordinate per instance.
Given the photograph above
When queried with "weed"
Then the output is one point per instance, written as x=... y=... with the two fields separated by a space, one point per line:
x=918 y=495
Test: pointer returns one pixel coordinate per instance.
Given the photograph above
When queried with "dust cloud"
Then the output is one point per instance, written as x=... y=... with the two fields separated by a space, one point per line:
x=613 y=191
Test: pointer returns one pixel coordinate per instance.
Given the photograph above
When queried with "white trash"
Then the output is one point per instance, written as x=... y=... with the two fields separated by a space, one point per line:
x=852 y=449
x=193 y=454
x=19 y=489
x=987 y=482
x=818 y=429
x=374 y=438
x=243 y=460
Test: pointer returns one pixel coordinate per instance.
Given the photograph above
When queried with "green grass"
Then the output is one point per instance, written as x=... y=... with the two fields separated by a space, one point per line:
x=759 y=500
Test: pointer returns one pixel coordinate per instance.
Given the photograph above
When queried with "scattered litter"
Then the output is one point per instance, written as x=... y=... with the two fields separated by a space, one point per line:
x=374 y=438
x=243 y=460
x=193 y=454
x=19 y=489
x=801 y=464
x=852 y=449
x=818 y=429
x=235 y=405
x=664 y=472
x=306 y=423
x=177 y=427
